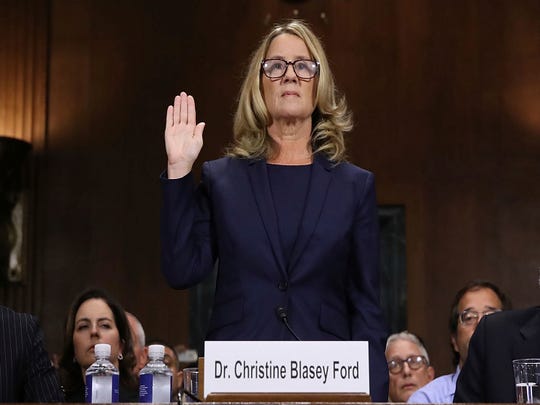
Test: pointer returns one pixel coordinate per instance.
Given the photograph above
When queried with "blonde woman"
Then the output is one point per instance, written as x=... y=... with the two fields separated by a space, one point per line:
x=294 y=226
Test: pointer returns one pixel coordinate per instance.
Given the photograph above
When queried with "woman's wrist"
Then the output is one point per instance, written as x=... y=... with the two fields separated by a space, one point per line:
x=177 y=171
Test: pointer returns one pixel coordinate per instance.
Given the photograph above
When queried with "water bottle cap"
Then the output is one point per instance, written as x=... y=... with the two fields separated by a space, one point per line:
x=156 y=351
x=102 y=349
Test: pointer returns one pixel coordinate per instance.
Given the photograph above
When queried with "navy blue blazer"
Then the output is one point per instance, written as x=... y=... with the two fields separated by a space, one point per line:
x=26 y=372
x=330 y=288
x=488 y=375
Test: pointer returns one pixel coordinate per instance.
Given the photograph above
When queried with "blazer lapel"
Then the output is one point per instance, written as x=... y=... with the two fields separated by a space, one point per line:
x=316 y=197
x=258 y=176
x=531 y=335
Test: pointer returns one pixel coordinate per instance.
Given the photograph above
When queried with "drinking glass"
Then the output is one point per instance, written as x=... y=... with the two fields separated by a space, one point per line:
x=191 y=385
x=527 y=378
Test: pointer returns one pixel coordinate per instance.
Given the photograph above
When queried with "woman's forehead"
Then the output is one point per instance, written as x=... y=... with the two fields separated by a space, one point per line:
x=287 y=45
x=94 y=308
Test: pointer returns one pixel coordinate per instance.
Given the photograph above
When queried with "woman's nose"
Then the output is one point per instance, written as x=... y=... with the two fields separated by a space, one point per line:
x=290 y=74
x=94 y=331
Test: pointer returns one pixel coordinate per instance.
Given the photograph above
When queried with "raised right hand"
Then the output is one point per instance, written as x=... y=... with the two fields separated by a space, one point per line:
x=183 y=136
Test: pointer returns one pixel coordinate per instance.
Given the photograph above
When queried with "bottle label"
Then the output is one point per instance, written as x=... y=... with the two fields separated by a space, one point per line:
x=155 y=388
x=102 y=389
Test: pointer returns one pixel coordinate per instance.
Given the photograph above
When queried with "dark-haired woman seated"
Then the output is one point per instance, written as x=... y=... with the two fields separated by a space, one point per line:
x=96 y=317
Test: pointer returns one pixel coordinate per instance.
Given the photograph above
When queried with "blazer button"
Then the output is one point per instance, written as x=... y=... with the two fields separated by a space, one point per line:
x=283 y=285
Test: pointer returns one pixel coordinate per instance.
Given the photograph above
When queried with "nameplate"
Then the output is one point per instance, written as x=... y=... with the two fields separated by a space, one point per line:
x=286 y=367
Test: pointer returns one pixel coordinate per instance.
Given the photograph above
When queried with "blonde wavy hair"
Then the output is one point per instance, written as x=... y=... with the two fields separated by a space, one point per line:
x=330 y=119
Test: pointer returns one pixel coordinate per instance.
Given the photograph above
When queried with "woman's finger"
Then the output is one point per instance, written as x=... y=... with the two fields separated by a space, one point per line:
x=176 y=115
x=191 y=112
x=169 y=117
x=183 y=108
x=199 y=131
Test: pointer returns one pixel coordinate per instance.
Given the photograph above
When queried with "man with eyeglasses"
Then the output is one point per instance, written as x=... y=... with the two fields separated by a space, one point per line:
x=488 y=375
x=474 y=301
x=408 y=365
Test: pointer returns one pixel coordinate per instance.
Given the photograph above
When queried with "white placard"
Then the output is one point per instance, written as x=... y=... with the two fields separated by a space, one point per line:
x=286 y=367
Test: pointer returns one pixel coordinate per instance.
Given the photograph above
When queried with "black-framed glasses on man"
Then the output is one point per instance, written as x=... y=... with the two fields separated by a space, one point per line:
x=414 y=362
x=469 y=317
x=303 y=68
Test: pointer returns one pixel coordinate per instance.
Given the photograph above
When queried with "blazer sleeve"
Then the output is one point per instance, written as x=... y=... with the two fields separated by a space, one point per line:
x=40 y=380
x=187 y=248
x=364 y=291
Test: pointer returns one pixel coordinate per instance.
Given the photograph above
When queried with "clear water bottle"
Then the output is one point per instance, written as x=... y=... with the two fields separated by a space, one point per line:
x=155 y=379
x=102 y=377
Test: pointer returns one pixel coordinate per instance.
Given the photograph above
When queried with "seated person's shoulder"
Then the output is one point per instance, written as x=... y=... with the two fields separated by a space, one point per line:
x=439 y=390
x=517 y=317
x=16 y=321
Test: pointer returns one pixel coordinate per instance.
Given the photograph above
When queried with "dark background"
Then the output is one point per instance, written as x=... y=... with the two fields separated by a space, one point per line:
x=446 y=100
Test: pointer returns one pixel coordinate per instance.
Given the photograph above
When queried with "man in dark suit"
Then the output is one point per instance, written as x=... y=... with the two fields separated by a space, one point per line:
x=488 y=375
x=26 y=372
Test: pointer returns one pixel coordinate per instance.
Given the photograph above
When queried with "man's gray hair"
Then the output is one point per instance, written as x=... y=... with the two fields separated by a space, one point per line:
x=411 y=337
x=139 y=330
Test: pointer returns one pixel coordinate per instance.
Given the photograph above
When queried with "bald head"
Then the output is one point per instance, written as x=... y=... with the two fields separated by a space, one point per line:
x=138 y=337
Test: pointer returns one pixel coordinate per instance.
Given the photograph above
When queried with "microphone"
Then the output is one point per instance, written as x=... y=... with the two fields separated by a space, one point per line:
x=282 y=314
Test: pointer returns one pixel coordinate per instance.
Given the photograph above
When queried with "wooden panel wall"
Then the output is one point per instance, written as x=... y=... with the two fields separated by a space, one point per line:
x=446 y=98
x=23 y=84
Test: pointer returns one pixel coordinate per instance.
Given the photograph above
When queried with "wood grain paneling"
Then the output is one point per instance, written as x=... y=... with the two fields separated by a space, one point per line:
x=445 y=97
x=23 y=84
